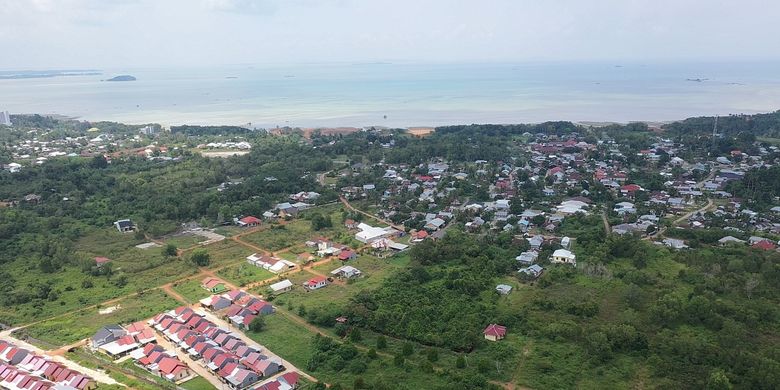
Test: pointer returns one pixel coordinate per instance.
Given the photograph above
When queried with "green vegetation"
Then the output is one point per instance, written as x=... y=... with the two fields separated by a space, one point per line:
x=197 y=383
x=83 y=324
x=191 y=290
x=630 y=315
x=243 y=274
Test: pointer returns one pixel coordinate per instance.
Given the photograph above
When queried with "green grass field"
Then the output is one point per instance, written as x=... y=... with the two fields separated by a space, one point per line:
x=227 y=252
x=73 y=327
x=70 y=288
x=243 y=274
x=185 y=241
x=191 y=290
x=374 y=270
x=197 y=383
x=282 y=236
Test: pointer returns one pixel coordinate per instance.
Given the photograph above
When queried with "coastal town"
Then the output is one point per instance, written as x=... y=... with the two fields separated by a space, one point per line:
x=228 y=287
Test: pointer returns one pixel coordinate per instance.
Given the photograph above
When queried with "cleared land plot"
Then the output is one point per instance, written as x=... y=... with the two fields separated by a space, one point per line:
x=243 y=274
x=191 y=290
x=184 y=241
x=227 y=252
x=281 y=236
x=73 y=327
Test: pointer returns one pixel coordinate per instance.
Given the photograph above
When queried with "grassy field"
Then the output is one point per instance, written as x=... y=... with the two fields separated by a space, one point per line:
x=282 y=236
x=71 y=288
x=191 y=290
x=227 y=252
x=374 y=270
x=292 y=341
x=299 y=230
x=243 y=274
x=185 y=240
x=197 y=383
x=73 y=327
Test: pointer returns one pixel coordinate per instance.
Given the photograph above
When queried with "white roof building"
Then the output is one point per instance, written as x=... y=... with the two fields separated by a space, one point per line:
x=563 y=256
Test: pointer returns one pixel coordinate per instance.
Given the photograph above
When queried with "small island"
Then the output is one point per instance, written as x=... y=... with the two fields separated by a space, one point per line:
x=124 y=77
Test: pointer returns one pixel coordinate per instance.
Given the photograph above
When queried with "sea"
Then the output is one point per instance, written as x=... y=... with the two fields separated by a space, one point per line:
x=402 y=94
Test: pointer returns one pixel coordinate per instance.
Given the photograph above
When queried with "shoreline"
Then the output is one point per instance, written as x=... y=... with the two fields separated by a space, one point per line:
x=336 y=123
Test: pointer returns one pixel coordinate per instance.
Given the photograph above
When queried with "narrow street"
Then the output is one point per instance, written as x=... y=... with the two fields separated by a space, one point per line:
x=195 y=366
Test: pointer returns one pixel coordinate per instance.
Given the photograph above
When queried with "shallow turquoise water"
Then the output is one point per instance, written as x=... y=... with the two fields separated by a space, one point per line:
x=407 y=94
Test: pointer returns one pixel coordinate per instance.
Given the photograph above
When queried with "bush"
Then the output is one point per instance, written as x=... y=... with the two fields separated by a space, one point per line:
x=381 y=342
x=257 y=324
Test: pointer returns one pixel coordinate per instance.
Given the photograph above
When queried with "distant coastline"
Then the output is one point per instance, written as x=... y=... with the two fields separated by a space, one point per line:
x=31 y=74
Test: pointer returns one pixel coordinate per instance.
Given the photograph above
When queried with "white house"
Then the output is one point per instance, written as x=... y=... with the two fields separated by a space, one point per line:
x=563 y=256
x=280 y=287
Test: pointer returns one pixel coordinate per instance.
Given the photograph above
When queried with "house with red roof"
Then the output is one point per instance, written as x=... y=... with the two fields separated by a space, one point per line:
x=290 y=379
x=347 y=254
x=261 y=307
x=173 y=369
x=214 y=285
x=494 y=332
x=249 y=221
x=765 y=245
x=315 y=283
x=420 y=235
x=101 y=261
x=630 y=190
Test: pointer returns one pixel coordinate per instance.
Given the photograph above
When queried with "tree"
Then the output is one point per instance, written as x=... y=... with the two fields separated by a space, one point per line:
x=460 y=362
x=257 y=324
x=407 y=349
x=598 y=345
x=433 y=355
x=381 y=342
x=399 y=359
x=718 y=381
x=170 y=250
x=201 y=258
x=355 y=335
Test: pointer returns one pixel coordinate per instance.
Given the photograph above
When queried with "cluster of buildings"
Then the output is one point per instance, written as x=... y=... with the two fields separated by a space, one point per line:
x=270 y=263
x=238 y=306
x=222 y=352
x=21 y=369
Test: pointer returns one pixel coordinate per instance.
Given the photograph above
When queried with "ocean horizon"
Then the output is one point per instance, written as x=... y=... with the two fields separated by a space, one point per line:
x=401 y=94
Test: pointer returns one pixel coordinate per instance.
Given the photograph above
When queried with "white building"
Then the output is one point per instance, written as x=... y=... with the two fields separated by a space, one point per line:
x=369 y=234
x=5 y=118
x=563 y=256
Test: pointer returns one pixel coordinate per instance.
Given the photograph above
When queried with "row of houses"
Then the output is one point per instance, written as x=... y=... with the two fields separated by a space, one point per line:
x=221 y=351
x=117 y=341
x=270 y=263
x=238 y=307
x=23 y=369
x=165 y=364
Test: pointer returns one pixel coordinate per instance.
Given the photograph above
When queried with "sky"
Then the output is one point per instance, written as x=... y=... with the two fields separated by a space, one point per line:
x=100 y=34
